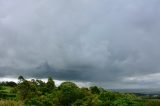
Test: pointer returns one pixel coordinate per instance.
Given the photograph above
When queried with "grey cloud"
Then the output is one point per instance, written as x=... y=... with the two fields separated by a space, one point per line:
x=99 y=41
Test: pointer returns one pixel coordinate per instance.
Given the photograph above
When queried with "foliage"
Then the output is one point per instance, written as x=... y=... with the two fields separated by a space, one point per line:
x=50 y=85
x=39 y=93
x=11 y=84
x=95 y=90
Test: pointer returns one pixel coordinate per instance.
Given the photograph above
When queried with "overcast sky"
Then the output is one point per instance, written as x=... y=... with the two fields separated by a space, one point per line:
x=113 y=43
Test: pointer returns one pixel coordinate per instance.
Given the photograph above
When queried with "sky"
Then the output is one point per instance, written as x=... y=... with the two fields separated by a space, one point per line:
x=111 y=43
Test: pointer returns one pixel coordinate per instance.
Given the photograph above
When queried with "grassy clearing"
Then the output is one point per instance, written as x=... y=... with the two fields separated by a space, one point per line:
x=6 y=89
x=5 y=93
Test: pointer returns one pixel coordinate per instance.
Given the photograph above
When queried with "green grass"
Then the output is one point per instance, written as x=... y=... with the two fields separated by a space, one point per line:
x=5 y=93
x=7 y=98
x=7 y=89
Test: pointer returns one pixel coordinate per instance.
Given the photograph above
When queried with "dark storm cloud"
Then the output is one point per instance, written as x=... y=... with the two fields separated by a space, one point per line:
x=103 y=41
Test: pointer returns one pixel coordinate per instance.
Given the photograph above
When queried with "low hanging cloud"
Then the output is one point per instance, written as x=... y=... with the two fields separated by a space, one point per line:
x=103 y=41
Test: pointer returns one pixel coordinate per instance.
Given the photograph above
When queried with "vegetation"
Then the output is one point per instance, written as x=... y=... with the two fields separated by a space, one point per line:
x=39 y=93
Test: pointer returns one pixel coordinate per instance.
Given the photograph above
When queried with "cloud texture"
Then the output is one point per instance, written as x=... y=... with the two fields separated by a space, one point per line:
x=104 y=41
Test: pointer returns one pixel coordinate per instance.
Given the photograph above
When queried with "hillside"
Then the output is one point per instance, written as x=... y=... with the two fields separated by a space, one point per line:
x=39 y=93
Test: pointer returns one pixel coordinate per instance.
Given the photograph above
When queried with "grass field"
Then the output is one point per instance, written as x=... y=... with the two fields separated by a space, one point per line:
x=7 y=98
x=6 y=89
x=5 y=93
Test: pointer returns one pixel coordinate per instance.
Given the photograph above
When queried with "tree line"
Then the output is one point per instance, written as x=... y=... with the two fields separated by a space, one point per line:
x=38 y=93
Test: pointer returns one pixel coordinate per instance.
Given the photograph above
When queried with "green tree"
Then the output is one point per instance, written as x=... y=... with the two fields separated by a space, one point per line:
x=69 y=93
x=50 y=85
x=21 y=78
x=27 y=89
x=95 y=90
